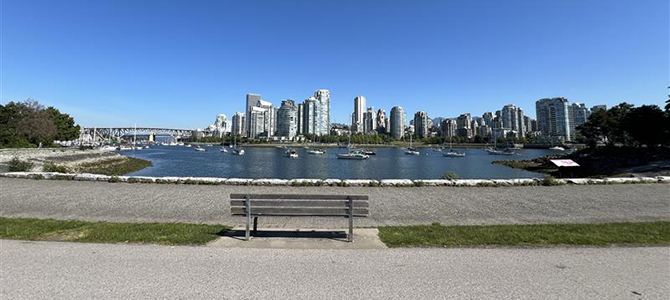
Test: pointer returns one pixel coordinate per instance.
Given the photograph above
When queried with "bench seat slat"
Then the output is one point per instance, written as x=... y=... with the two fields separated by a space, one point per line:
x=300 y=203
x=296 y=197
x=289 y=211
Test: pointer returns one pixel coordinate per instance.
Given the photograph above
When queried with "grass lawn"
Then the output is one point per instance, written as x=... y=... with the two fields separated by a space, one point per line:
x=105 y=232
x=647 y=233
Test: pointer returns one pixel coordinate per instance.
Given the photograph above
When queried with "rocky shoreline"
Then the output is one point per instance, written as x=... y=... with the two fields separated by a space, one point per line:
x=68 y=157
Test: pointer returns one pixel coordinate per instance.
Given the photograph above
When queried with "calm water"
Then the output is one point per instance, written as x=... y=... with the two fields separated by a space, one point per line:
x=270 y=163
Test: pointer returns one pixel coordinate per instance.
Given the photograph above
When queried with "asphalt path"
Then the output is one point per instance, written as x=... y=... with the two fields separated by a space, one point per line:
x=87 y=200
x=56 y=270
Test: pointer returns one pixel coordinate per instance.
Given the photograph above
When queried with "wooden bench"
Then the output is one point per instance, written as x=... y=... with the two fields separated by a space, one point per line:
x=295 y=205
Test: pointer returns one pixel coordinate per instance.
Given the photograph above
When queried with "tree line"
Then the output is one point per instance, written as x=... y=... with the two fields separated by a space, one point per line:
x=628 y=125
x=29 y=124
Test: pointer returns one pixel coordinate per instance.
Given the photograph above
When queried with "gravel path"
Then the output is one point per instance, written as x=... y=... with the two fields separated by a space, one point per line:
x=388 y=206
x=54 y=270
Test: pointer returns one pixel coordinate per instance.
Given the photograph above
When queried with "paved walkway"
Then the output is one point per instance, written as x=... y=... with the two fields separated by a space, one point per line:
x=56 y=270
x=388 y=206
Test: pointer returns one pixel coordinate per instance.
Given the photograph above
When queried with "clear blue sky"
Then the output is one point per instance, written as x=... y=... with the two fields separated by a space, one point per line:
x=179 y=63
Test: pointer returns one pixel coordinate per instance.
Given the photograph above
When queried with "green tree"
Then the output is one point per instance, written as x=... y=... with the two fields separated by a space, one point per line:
x=640 y=123
x=28 y=123
x=66 y=129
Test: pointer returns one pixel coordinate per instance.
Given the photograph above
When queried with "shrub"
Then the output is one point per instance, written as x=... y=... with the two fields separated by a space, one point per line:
x=450 y=175
x=50 y=167
x=113 y=179
x=17 y=165
x=549 y=180
x=374 y=183
x=419 y=183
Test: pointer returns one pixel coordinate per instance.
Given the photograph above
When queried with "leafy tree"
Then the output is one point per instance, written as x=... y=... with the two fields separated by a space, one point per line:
x=66 y=129
x=642 y=124
x=27 y=124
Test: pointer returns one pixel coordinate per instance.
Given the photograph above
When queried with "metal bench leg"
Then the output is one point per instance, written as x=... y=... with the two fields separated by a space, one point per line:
x=255 y=225
x=350 y=236
x=248 y=210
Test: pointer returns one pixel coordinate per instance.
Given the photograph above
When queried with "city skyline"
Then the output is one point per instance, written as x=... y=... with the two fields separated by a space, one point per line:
x=445 y=58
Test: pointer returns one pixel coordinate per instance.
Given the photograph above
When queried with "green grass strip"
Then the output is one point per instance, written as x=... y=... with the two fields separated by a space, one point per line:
x=105 y=232
x=435 y=235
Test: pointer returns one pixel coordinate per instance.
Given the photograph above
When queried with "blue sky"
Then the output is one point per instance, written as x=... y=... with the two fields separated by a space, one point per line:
x=179 y=63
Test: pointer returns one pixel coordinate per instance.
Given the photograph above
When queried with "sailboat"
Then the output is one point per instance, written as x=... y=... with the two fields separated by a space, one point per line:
x=352 y=155
x=411 y=150
x=495 y=151
x=223 y=149
x=237 y=151
x=451 y=152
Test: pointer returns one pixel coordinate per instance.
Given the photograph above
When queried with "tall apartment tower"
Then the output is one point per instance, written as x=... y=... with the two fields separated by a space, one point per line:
x=239 y=124
x=512 y=119
x=287 y=119
x=301 y=113
x=252 y=100
x=309 y=119
x=580 y=114
x=553 y=118
x=596 y=108
x=369 y=121
x=421 y=124
x=357 y=117
x=322 y=126
x=463 y=126
x=397 y=122
x=448 y=127
x=381 y=121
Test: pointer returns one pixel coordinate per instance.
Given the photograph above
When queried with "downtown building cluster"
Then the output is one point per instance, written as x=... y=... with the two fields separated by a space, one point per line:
x=263 y=120
x=557 y=120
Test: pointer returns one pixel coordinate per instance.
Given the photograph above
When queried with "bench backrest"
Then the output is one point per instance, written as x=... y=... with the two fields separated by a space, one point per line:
x=299 y=205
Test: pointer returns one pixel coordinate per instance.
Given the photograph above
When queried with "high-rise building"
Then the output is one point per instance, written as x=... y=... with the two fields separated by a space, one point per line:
x=421 y=124
x=580 y=114
x=553 y=118
x=357 y=117
x=596 y=108
x=488 y=118
x=448 y=127
x=262 y=120
x=287 y=119
x=397 y=122
x=315 y=114
x=238 y=127
x=301 y=112
x=322 y=117
x=369 y=122
x=528 y=124
x=381 y=121
x=310 y=111
x=463 y=126
x=252 y=100
x=512 y=119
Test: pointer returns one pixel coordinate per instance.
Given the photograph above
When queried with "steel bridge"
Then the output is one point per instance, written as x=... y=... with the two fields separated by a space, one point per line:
x=108 y=134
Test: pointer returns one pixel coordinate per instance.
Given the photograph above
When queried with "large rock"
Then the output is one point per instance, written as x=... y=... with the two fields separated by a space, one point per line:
x=397 y=182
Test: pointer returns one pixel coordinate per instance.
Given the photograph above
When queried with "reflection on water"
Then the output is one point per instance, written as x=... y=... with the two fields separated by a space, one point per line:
x=389 y=163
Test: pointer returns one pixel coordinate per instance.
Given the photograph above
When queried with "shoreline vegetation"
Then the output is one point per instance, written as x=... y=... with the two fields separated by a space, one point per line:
x=434 y=235
x=601 y=162
x=67 y=160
